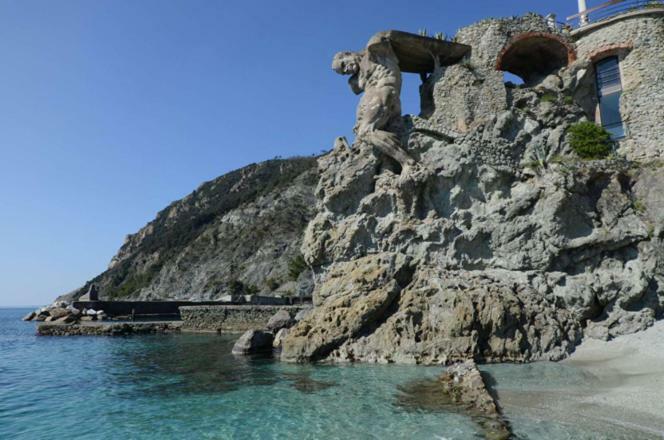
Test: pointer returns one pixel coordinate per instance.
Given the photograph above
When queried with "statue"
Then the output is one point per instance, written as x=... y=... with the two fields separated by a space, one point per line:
x=375 y=71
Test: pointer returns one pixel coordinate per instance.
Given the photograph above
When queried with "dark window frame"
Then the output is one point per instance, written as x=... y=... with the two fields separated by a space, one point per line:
x=609 y=90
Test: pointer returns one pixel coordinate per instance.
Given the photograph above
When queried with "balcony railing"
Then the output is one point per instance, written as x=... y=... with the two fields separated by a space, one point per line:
x=611 y=9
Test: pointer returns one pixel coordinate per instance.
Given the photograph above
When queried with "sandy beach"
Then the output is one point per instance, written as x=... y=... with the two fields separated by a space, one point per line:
x=613 y=389
x=630 y=375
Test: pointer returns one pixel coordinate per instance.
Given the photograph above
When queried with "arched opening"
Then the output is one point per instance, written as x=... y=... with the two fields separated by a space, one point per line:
x=533 y=56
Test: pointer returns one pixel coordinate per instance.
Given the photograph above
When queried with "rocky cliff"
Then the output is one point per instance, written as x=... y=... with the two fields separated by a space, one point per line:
x=473 y=231
x=238 y=234
x=500 y=243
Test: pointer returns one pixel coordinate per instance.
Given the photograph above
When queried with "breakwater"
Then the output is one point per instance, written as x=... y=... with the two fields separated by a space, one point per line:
x=108 y=328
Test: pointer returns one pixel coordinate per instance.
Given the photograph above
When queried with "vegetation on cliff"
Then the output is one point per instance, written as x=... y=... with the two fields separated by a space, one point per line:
x=235 y=234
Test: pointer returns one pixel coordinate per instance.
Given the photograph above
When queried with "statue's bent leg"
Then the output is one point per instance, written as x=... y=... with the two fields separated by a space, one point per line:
x=389 y=144
x=371 y=131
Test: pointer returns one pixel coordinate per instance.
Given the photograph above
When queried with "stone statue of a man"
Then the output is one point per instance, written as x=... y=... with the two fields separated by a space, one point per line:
x=375 y=71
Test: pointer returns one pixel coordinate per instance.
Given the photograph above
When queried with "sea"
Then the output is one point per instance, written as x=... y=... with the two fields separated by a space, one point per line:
x=190 y=386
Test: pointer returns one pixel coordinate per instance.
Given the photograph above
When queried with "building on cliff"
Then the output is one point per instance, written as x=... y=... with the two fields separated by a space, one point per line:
x=475 y=230
x=619 y=46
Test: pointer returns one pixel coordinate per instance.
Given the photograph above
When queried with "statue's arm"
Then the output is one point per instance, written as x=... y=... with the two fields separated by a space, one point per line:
x=354 y=82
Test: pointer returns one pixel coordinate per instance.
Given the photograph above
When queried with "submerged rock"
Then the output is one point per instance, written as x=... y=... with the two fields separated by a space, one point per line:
x=253 y=341
x=460 y=389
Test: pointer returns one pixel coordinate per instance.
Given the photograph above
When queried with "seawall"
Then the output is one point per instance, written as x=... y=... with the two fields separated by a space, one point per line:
x=230 y=318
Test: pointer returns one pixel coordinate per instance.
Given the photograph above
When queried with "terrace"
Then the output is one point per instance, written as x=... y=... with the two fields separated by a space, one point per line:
x=611 y=9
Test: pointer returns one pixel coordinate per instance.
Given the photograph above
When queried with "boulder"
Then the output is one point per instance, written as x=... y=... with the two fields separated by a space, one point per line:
x=253 y=341
x=41 y=317
x=299 y=316
x=279 y=338
x=30 y=316
x=281 y=319
x=464 y=385
x=58 y=312
x=65 y=319
x=356 y=295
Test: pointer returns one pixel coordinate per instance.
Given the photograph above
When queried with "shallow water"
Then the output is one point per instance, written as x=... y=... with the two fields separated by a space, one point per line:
x=189 y=386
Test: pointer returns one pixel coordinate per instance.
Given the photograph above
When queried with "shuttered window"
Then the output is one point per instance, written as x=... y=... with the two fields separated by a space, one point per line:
x=609 y=90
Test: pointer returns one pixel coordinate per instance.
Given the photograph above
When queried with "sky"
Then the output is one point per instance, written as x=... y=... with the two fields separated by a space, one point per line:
x=112 y=109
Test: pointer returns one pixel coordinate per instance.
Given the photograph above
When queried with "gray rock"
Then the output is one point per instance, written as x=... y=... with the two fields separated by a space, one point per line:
x=460 y=389
x=281 y=319
x=253 y=341
x=30 y=316
x=66 y=319
x=299 y=316
x=498 y=244
x=473 y=231
x=279 y=338
x=58 y=312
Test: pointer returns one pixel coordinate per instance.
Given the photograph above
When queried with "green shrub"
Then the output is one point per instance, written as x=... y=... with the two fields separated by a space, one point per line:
x=272 y=284
x=589 y=140
x=236 y=287
x=548 y=97
x=296 y=266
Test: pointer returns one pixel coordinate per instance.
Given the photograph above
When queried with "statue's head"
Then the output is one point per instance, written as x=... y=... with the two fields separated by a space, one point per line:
x=346 y=63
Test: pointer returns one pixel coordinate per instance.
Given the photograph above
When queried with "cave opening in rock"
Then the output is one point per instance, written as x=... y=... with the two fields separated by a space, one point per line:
x=532 y=57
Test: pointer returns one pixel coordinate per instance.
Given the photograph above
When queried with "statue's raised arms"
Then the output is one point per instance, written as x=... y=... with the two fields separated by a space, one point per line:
x=376 y=71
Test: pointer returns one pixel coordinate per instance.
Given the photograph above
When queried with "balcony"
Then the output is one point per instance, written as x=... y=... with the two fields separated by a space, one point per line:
x=612 y=9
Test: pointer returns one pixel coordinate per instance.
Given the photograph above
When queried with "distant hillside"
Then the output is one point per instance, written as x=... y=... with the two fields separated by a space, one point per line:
x=239 y=233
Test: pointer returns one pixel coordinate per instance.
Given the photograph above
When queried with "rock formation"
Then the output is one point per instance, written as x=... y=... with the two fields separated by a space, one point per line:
x=461 y=388
x=506 y=248
x=472 y=231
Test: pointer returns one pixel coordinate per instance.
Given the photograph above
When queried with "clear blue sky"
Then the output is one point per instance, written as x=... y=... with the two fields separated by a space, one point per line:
x=111 y=109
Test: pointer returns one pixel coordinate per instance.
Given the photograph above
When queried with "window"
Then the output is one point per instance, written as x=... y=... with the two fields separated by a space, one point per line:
x=609 y=89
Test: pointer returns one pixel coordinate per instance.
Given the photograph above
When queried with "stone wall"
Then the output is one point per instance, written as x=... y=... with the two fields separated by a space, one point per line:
x=639 y=41
x=464 y=97
x=490 y=37
x=230 y=318
x=108 y=329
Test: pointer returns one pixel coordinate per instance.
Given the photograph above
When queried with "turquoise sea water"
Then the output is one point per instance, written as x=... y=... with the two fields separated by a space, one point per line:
x=189 y=386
